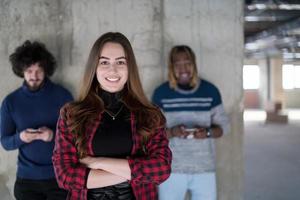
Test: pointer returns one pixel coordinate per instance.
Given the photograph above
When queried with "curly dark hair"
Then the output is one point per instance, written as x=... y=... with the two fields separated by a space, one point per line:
x=31 y=53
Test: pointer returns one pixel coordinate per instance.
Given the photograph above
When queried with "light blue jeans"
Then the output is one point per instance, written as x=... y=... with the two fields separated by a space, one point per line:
x=202 y=186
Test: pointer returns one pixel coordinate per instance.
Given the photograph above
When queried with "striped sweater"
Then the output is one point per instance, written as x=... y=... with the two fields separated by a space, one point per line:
x=200 y=106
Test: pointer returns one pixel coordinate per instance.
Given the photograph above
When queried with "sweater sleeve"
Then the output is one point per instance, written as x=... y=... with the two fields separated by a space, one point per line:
x=70 y=174
x=156 y=98
x=218 y=114
x=10 y=137
x=155 y=166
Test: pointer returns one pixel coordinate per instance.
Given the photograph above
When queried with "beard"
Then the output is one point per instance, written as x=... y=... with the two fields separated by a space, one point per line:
x=34 y=85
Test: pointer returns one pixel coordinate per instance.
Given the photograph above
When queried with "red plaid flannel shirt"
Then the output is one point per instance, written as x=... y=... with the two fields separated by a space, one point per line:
x=147 y=171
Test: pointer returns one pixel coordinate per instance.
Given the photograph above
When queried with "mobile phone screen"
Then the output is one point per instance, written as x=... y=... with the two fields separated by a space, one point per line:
x=34 y=131
x=190 y=129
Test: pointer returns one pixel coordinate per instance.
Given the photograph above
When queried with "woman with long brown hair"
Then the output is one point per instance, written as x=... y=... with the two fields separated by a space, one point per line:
x=111 y=142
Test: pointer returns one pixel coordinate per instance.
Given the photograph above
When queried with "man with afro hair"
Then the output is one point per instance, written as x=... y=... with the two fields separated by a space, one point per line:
x=28 y=122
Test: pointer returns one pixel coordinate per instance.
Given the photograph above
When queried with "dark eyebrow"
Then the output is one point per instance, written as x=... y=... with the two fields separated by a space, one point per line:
x=122 y=57
x=119 y=58
x=103 y=57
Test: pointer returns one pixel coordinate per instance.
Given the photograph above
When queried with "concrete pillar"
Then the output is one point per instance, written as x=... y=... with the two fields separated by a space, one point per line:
x=213 y=29
x=264 y=82
x=277 y=93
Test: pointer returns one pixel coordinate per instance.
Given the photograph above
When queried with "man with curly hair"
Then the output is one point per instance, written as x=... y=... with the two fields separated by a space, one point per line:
x=28 y=122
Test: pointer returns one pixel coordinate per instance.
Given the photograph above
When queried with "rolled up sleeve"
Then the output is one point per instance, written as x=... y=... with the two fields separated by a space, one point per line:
x=155 y=166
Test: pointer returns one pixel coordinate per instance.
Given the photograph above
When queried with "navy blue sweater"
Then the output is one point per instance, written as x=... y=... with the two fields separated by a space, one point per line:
x=24 y=109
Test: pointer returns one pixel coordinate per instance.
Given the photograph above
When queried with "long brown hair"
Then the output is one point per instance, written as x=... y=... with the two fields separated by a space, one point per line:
x=191 y=55
x=89 y=104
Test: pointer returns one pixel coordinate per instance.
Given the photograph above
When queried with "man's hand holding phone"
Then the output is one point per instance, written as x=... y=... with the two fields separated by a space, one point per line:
x=200 y=133
x=179 y=131
x=46 y=134
x=190 y=132
x=30 y=134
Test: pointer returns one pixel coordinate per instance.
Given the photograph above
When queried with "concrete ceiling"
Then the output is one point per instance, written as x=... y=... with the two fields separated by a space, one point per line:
x=272 y=28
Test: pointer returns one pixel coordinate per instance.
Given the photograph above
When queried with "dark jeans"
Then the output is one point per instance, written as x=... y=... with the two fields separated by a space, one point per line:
x=26 y=189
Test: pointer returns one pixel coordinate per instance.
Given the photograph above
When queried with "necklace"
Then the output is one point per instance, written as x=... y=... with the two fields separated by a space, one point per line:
x=113 y=116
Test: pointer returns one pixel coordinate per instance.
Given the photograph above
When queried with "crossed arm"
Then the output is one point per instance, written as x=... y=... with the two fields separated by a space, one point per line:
x=106 y=171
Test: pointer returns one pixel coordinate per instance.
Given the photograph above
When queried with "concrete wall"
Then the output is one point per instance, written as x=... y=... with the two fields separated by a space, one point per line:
x=213 y=28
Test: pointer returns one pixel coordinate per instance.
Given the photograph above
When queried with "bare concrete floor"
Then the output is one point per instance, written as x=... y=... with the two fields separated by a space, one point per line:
x=272 y=161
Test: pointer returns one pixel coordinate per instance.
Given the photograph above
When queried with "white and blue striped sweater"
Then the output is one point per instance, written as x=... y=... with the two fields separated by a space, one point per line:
x=200 y=106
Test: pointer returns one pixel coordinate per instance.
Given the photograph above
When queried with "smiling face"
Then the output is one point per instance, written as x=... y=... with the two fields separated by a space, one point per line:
x=183 y=68
x=112 y=70
x=34 y=76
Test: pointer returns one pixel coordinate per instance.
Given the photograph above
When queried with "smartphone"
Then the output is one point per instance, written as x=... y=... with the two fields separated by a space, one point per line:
x=33 y=130
x=191 y=130
x=190 y=136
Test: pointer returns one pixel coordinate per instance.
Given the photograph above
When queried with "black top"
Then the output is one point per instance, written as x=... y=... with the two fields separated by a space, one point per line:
x=113 y=137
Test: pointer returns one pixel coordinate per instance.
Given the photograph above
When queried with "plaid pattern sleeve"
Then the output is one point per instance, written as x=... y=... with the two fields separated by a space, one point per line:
x=70 y=174
x=155 y=167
